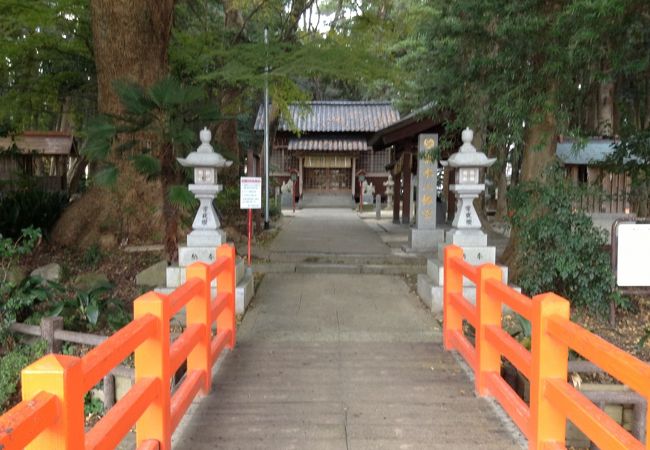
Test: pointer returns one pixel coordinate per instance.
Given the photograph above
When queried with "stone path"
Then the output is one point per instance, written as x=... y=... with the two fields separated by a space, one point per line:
x=339 y=361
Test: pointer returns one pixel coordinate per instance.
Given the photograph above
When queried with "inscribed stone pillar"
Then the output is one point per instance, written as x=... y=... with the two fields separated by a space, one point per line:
x=427 y=183
x=424 y=236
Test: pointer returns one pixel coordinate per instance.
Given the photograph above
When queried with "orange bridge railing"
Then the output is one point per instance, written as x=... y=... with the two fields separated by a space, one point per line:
x=553 y=400
x=51 y=414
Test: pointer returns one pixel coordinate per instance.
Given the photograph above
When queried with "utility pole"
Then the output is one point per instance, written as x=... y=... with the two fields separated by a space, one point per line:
x=266 y=132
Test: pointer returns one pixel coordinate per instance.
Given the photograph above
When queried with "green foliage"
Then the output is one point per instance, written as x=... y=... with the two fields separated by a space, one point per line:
x=644 y=338
x=10 y=366
x=89 y=307
x=30 y=208
x=560 y=249
x=227 y=201
x=92 y=255
x=46 y=63
x=92 y=405
x=167 y=113
x=22 y=299
x=16 y=301
x=181 y=197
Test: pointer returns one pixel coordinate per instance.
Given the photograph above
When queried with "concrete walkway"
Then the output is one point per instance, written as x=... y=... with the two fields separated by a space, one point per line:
x=339 y=361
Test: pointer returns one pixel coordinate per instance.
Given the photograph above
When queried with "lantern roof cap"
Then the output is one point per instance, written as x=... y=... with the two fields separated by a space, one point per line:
x=467 y=155
x=204 y=156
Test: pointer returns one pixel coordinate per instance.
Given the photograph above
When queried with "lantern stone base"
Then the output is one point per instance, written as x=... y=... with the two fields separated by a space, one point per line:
x=206 y=238
x=473 y=243
x=243 y=292
x=422 y=240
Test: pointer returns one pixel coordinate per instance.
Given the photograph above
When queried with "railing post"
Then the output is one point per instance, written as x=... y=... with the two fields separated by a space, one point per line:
x=61 y=376
x=488 y=310
x=226 y=283
x=453 y=284
x=549 y=361
x=152 y=361
x=49 y=325
x=198 y=311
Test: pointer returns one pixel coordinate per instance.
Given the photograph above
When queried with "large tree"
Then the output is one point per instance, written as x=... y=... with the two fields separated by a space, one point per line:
x=130 y=43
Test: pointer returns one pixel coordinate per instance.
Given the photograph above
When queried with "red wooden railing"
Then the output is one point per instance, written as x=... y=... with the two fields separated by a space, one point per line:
x=552 y=399
x=51 y=414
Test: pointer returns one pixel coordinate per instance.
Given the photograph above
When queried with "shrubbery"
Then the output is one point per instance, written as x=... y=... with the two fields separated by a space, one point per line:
x=12 y=363
x=30 y=208
x=558 y=247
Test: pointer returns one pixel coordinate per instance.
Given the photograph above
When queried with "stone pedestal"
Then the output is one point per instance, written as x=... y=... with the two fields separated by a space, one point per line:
x=286 y=202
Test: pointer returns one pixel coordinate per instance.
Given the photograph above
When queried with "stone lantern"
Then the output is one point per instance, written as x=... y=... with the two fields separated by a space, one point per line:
x=467 y=162
x=206 y=233
x=206 y=163
x=466 y=227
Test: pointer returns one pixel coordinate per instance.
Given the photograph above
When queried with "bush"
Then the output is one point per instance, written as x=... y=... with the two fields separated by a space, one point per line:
x=227 y=202
x=10 y=366
x=30 y=208
x=558 y=247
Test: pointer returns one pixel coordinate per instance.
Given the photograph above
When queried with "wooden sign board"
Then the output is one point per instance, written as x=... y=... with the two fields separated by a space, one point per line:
x=250 y=193
x=633 y=268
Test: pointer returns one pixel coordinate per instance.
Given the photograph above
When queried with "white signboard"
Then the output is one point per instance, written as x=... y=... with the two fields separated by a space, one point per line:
x=632 y=257
x=250 y=193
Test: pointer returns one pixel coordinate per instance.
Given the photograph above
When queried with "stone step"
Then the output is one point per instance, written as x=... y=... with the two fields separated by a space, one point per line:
x=382 y=269
x=335 y=258
x=177 y=275
x=432 y=295
x=436 y=273
x=243 y=292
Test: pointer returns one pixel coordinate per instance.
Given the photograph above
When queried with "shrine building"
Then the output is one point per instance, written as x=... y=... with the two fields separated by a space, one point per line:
x=327 y=144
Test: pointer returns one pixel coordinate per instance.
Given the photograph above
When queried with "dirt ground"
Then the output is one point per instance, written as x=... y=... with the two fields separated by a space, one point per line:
x=119 y=266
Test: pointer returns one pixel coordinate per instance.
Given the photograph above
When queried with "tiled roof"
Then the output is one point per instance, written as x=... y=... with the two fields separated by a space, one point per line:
x=336 y=116
x=595 y=150
x=328 y=144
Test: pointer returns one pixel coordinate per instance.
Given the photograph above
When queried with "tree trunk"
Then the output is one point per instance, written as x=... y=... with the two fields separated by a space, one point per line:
x=130 y=41
x=228 y=98
x=540 y=146
x=606 y=123
x=168 y=178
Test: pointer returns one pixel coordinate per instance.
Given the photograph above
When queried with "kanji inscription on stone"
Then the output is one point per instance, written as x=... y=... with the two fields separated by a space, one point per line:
x=427 y=181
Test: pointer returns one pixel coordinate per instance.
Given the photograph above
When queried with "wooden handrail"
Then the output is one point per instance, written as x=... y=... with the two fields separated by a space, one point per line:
x=51 y=413
x=552 y=399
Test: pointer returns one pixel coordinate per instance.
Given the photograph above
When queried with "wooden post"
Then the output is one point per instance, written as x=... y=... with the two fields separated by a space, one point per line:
x=406 y=194
x=488 y=310
x=49 y=325
x=452 y=320
x=549 y=361
x=62 y=377
x=198 y=312
x=396 y=196
x=226 y=284
x=109 y=391
x=152 y=361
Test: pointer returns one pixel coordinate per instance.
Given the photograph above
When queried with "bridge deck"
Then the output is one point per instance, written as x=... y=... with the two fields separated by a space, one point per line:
x=340 y=362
